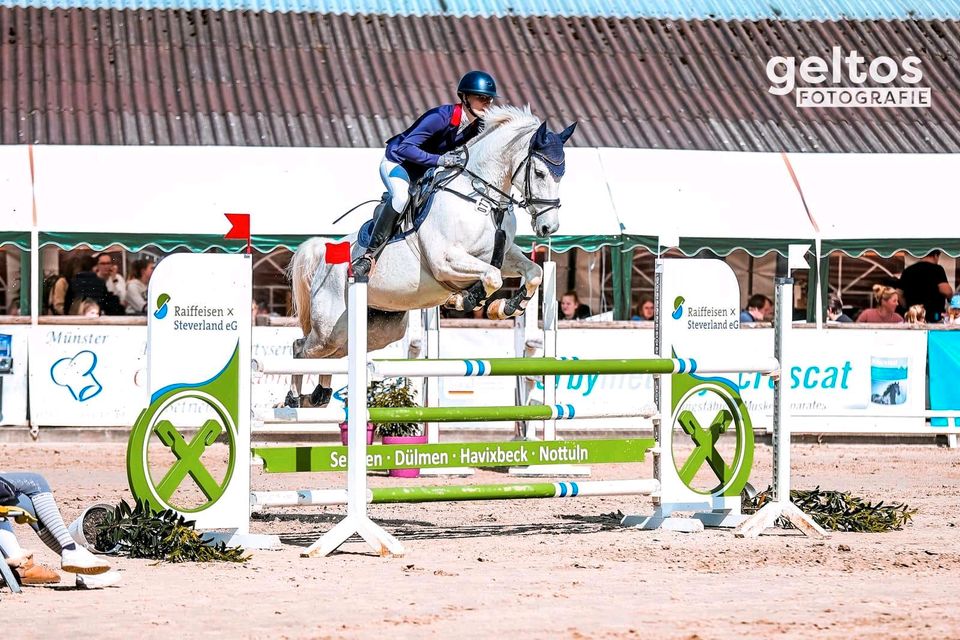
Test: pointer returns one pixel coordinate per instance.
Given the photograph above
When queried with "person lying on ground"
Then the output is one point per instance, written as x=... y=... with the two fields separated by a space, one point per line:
x=31 y=492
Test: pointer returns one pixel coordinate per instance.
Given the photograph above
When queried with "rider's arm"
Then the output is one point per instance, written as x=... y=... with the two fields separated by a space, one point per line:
x=410 y=149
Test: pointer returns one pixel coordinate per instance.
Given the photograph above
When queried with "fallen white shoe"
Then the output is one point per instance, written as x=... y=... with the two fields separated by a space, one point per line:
x=79 y=560
x=108 y=579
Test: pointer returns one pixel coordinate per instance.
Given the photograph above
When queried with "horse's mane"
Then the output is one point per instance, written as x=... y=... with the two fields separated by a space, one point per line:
x=497 y=116
x=504 y=126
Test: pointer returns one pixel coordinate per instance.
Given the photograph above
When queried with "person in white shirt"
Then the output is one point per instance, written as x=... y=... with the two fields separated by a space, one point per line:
x=136 y=300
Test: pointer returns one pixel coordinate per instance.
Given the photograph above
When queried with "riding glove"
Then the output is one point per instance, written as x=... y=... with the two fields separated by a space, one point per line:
x=455 y=158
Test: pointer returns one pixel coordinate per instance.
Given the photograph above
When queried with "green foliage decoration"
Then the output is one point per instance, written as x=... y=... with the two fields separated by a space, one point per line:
x=141 y=532
x=840 y=511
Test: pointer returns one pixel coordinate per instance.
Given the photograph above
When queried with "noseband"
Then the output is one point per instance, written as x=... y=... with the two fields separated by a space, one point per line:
x=528 y=199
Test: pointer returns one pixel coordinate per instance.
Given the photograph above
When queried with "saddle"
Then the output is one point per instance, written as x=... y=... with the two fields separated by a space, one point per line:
x=418 y=206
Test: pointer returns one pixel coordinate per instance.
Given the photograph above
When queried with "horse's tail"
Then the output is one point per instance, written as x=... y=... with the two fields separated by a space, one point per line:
x=300 y=272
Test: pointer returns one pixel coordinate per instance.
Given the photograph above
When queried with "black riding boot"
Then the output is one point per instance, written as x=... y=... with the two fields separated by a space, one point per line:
x=384 y=219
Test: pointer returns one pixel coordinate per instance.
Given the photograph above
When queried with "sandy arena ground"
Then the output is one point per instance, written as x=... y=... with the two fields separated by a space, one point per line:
x=533 y=569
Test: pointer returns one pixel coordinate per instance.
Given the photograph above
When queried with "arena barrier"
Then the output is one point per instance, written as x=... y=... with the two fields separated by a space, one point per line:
x=189 y=325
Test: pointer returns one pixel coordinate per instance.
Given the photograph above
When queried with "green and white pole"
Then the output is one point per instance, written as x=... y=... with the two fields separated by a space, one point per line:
x=333 y=415
x=458 y=493
x=525 y=367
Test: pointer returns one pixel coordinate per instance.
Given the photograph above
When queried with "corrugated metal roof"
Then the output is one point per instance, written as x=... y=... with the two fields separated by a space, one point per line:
x=172 y=77
x=669 y=9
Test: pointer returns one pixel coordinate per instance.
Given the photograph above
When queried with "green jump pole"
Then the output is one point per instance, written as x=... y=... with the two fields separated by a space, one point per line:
x=527 y=367
x=464 y=492
x=458 y=493
x=492 y=414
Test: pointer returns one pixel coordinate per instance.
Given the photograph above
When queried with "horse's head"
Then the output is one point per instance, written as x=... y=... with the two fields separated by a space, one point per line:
x=540 y=182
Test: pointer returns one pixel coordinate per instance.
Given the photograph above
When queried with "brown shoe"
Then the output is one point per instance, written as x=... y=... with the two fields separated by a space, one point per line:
x=31 y=573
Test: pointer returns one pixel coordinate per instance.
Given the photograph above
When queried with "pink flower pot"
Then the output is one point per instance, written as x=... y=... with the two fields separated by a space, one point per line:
x=405 y=473
x=343 y=433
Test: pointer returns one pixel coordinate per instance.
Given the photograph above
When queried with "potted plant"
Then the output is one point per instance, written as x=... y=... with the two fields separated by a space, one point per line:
x=398 y=392
x=371 y=428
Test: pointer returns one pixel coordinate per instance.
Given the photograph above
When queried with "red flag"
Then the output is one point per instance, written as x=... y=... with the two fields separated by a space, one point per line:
x=240 y=229
x=338 y=252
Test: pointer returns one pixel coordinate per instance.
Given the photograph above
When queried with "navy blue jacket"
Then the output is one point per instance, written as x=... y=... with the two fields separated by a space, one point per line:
x=434 y=133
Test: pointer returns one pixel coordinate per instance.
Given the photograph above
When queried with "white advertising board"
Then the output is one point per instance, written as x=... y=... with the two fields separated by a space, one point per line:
x=13 y=378
x=87 y=376
x=833 y=382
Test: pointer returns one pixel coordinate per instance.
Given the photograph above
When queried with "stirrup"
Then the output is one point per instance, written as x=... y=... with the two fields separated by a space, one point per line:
x=363 y=265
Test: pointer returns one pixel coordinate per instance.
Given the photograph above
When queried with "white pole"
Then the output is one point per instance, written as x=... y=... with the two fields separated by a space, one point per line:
x=526 y=344
x=357 y=520
x=431 y=386
x=780 y=505
x=781 y=391
x=549 y=342
x=432 y=389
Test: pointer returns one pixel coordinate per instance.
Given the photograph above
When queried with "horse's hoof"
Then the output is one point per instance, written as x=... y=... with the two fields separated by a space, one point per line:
x=471 y=303
x=495 y=310
x=321 y=396
x=292 y=400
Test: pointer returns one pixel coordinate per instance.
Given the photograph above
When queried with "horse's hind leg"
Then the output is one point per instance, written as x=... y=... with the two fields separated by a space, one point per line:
x=296 y=380
x=320 y=396
x=515 y=263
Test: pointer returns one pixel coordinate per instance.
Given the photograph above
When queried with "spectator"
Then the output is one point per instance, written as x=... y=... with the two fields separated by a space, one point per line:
x=953 y=312
x=136 y=299
x=571 y=307
x=886 y=299
x=87 y=284
x=259 y=308
x=87 y=308
x=835 y=309
x=31 y=492
x=915 y=315
x=645 y=310
x=57 y=291
x=925 y=282
x=107 y=270
x=759 y=309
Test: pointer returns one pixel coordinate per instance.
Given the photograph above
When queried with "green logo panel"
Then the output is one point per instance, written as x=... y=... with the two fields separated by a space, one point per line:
x=474 y=454
x=188 y=470
x=728 y=471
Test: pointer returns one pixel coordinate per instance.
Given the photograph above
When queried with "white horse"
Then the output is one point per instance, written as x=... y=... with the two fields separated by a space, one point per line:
x=452 y=249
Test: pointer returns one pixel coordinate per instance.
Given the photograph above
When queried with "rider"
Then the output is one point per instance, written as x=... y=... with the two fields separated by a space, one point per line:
x=432 y=141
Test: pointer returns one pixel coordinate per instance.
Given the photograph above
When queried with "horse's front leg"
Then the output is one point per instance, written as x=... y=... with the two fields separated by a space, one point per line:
x=515 y=263
x=460 y=265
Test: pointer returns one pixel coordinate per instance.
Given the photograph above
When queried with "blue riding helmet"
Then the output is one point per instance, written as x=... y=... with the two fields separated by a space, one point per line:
x=478 y=83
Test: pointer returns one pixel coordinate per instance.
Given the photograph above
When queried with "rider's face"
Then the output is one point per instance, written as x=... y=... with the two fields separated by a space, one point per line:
x=479 y=104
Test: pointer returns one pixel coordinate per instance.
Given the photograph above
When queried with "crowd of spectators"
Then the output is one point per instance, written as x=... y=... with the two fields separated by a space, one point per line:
x=91 y=285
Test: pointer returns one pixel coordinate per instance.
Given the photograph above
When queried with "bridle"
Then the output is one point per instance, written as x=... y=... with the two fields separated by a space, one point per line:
x=527 y=202
x=528 y=199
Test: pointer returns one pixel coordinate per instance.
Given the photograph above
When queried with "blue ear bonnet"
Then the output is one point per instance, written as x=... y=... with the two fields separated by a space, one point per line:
x=549 y=148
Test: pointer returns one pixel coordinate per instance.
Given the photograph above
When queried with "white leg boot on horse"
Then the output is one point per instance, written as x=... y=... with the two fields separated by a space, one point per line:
x=516 y=264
